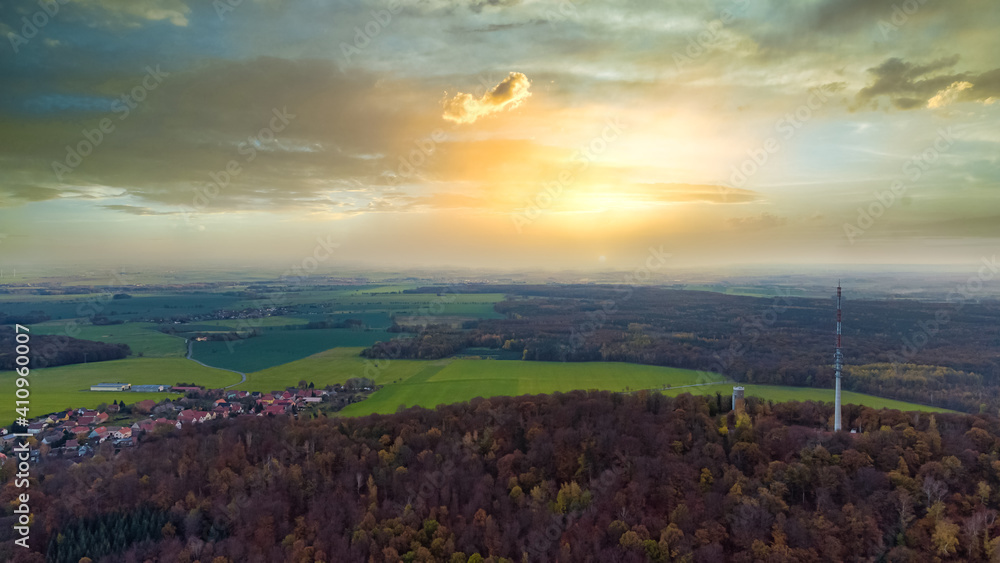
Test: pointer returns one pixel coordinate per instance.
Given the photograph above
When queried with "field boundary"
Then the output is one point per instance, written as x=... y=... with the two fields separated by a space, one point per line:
x=243 y=376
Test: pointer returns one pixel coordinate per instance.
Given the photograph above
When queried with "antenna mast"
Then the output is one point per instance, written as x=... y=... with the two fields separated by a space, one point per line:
x=838 y=359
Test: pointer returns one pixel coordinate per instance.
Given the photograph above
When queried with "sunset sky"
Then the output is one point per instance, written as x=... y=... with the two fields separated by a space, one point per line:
x=501 y=133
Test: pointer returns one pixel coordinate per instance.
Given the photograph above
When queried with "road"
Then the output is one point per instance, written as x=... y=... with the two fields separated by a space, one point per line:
x=243 y=376
x=665 y=388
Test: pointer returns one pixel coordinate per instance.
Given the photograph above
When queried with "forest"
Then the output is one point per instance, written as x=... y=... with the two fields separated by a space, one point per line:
x=779 y=341
x=57 y=350
x=575 y=477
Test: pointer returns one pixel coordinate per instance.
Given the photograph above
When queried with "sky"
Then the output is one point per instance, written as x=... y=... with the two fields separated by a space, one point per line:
x=502 y=134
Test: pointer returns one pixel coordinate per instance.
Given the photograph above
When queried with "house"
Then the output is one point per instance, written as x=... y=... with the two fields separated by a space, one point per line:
x=36 y=427
x=143 y=426
x=100 y=434
x=193 y=417
x=86 y=420
x=101 y=417
x=313 y=399
x=144 y=406
x=273 y=409
x=52 y=437
x=71 y=445
x=122 y=433
x=77 y=430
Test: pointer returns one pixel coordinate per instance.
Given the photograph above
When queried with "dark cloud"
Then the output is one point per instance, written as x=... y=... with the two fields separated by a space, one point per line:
x=478 y=5
x=346 y=125
x=135 y=210
x=908 y=85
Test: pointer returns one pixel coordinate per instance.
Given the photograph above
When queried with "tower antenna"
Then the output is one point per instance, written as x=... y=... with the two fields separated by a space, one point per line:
x=838 y=359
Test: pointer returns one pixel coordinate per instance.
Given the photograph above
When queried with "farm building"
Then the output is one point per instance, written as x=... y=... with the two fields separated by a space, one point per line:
x=111 y=387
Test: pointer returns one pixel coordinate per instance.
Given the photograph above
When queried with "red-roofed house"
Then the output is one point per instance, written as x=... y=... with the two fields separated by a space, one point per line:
x=144 y=406
x=193 y=417
x=273 y=409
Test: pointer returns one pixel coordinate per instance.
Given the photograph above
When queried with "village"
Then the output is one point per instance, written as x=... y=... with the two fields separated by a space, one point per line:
x=79 y=433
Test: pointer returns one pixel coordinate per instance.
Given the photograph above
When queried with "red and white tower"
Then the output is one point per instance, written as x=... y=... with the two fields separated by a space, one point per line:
x=838 y=359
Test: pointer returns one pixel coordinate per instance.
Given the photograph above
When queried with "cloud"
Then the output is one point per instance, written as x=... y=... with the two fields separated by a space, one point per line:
x=948 y=95
x=134 y=210
x=757 y=222
x=465 y=108
x=188 y=129
x=127 y=11
x=910 y=86
x=695 y=193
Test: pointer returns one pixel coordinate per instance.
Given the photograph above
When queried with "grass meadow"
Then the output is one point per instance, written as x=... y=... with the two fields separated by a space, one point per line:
x=63 y=387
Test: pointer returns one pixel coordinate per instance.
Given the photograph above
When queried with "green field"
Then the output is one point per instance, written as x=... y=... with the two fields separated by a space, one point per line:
x=462 y=380
x=281 y=347
x=141 y=337
x=68 y=386
x=780 y=394
x=233 y=324
x=334 y=366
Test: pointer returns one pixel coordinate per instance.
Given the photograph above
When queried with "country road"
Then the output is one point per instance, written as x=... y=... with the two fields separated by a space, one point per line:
x=667 y=388
x=243 y=376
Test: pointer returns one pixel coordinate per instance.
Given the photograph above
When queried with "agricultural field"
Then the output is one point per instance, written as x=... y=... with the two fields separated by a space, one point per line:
x=226 y=325
x=140 y=305
x=462 y=380
x=142 y=338
x=63 y=387
x=334 y=366
x=273 y=348
x=778 y=393
x=469 y=305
